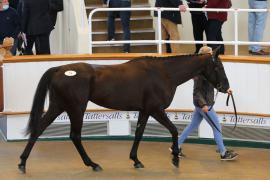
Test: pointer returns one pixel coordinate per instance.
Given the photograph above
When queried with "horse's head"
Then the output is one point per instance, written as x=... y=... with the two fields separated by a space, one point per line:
x=215 y=73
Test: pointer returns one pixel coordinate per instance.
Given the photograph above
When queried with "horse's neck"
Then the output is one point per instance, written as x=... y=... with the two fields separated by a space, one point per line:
x=184 y=69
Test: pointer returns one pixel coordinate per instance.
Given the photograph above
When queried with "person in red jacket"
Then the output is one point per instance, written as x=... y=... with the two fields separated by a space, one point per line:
x=215 y=22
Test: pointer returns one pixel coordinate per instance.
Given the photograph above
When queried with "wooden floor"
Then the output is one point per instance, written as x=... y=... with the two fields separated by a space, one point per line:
x=59 y=160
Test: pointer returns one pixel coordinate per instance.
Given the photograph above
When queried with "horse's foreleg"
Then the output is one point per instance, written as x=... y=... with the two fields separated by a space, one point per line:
x=46 y=120
x=162 y=118
x=75 y=136
x=142 y=120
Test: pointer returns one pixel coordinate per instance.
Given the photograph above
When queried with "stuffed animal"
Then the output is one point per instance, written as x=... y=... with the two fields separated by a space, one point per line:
x=5 y=48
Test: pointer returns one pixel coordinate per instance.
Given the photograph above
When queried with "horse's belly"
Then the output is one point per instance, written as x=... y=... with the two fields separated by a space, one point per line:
x=118 y=100
x=118 y=104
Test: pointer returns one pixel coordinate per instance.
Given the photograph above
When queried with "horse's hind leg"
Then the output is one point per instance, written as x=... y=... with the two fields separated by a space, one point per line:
x=142 y=120
x=162 y=118
x=76 y=119
x=46 y=120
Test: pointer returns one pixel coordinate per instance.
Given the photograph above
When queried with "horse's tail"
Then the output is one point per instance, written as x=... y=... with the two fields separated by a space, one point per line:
x=39 y=101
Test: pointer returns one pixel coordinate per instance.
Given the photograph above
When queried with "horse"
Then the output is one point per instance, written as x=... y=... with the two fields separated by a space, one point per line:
x=144 y=84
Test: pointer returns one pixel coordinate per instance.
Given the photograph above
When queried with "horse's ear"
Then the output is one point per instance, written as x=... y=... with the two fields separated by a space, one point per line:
x=216 y=52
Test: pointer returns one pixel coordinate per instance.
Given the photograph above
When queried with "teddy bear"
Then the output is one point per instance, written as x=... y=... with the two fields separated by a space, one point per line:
x=5 y=48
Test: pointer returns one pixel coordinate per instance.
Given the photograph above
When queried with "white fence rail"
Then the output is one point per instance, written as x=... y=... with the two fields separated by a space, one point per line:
x=159 y=41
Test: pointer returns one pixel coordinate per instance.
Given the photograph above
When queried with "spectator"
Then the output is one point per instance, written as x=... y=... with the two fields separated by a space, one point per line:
x=256 y=25
x=199 y=21
x=9 y=24
x=215 y=22
x=125 y=20
x=37 y=25
x=22 y=37
x=169 y=22
x=55 y=7
x=13 y=3
x=168 y=46
x=203 y=98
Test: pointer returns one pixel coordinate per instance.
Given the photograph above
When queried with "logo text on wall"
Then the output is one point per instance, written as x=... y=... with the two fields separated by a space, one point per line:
x=173 y=116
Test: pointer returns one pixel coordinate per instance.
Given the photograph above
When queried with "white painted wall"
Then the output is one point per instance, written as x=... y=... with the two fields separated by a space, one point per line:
x=250 y=83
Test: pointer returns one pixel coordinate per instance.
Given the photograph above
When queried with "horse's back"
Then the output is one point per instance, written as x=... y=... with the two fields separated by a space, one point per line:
x=127 y=86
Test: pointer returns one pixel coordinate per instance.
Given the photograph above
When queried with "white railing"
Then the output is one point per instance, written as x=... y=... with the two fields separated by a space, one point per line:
x=159 y=41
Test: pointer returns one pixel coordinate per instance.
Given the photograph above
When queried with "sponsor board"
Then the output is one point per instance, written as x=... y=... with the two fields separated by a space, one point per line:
x=228 y=119
x=245 y=120
x=124 y=115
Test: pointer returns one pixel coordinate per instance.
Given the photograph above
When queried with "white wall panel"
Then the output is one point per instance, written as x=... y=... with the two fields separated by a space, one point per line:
x=250 y=83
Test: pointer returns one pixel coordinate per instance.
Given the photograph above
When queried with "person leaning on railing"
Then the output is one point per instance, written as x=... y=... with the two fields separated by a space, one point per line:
x=199 y=21
x=256 y=26
x=169 y=22
x=215 y=22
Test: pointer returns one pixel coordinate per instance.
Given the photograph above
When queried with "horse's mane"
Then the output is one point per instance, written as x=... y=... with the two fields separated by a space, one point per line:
x=166 y=58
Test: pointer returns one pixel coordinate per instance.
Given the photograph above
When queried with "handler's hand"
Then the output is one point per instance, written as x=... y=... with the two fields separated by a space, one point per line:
x=183 y=8
x=205 y=108
x=229 y=91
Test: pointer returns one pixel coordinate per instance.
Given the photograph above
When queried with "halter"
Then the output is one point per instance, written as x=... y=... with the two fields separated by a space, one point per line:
x=219 y=86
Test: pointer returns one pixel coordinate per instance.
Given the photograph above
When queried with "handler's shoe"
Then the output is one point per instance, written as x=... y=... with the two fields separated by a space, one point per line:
x=180 y=155
x=230 y=150
x=229 y=156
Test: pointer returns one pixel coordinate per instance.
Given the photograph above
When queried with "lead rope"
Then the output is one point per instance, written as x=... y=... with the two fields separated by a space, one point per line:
x=209 y=119
x=211 y=122
x=234 y=107
x=214 y=101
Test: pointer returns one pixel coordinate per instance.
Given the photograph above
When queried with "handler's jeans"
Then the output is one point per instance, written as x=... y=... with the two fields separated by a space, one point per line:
x=125 y=20
x=256 y=23
x=197 y=118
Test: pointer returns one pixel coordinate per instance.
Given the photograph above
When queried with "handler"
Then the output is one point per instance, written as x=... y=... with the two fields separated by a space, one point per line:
x=203 y=99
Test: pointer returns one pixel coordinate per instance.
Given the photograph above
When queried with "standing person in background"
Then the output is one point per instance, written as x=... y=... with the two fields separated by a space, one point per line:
x=169 y=22
x=37 y=25
x=215 y=22
x=13 y=3
x=125 y=20
x=256 y=25
x=199 y=21
x=55 y=7
x=22 y=40
x=9 y=24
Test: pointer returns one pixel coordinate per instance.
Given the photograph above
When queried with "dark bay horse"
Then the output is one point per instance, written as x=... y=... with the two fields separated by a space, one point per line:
x=145 y=84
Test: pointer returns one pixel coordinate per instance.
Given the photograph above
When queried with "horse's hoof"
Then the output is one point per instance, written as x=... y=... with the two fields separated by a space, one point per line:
x=175 y=162
x=138 y=165
x=21 y=168
x=97 y=168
